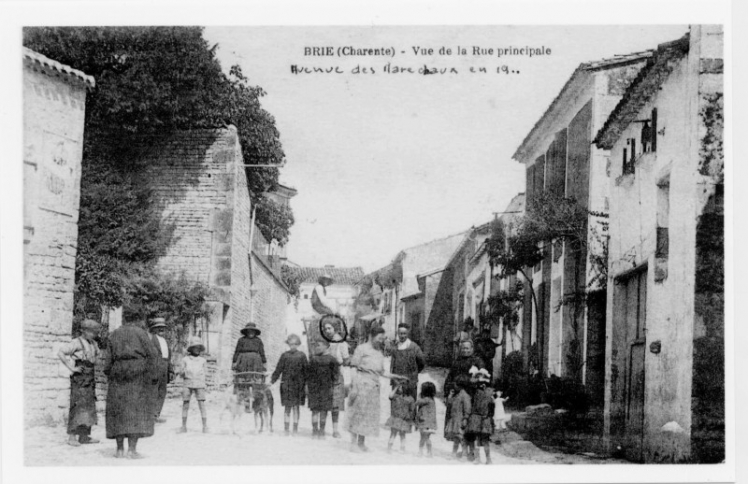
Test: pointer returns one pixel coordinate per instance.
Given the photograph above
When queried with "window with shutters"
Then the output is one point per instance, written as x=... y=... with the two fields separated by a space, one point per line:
x=662 y=248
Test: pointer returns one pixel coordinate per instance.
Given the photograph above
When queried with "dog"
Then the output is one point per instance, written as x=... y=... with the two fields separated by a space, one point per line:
x=263 y=406
x=232 y=403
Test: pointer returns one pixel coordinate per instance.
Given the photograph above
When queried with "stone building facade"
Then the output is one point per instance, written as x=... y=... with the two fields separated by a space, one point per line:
x=665 y=393
x=54 y=100
x=201 y=192
x=562 y=162
x=402 y=296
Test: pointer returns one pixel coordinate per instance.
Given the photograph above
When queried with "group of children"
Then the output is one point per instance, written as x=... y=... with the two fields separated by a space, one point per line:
x=472 y=406
x=471 y=403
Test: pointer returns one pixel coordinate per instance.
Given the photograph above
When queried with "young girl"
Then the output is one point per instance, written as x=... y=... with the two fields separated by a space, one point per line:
x=292 y=367
x=458 y=403
x=402 y=408
x=321 y=376
x=500 y=415
x=194 y=370
x=480 y=422
x=426 y=417
x=79 y=356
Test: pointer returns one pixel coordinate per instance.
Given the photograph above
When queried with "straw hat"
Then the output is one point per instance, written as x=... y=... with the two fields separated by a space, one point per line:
x=251 y=327
x=326 y=277
x=90 y=325
x=195 y=341
x=157 y=323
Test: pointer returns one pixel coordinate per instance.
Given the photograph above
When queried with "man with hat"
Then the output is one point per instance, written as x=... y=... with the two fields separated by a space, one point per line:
x=320 y=302
x=157 y=328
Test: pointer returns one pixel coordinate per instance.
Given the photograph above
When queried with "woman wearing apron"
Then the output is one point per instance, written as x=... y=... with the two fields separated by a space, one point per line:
x=80 y=357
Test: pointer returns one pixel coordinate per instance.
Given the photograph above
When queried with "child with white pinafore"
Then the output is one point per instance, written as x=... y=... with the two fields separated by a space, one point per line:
x=500 y=415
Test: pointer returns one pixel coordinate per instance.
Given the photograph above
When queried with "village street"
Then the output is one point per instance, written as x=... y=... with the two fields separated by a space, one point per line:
x=573 y=289
x=46 y=446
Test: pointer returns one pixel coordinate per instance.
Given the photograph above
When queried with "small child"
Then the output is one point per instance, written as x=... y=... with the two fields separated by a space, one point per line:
x=194 y=369
x=500 y=415
x=458 y=404
x=426 y=417
x=292 y=368
x=321 y=376
x=480 y=421
x=402 y=408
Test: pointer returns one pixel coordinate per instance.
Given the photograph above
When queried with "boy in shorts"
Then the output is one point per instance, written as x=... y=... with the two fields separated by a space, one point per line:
x=194 y=370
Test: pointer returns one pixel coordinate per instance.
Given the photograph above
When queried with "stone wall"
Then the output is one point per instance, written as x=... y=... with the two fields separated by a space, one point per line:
x=53 y=135
x=270 y=303
x=203 y=199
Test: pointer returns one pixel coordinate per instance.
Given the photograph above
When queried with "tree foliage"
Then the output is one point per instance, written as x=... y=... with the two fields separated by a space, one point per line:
x=151 y=80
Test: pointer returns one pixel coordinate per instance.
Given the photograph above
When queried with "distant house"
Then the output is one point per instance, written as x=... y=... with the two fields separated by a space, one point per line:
x=343 y=291
x=561 y=161
x=665 y=393
x=403 y=299
x=54 y=102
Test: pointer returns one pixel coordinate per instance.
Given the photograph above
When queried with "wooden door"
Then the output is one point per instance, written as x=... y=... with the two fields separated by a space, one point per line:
x=636 y=316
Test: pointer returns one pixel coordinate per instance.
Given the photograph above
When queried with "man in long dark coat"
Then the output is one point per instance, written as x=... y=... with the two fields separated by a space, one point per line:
x=157 y=328
x=131 y=368
x=407 y=359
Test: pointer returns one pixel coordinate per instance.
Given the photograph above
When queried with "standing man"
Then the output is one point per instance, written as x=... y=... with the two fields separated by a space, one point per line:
x=157 y=327
x=407 y=358
x=485 y=349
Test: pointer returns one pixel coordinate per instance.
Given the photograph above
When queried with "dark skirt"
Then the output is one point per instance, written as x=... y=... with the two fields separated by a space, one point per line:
x=293 y=392
x=320 y=398
x=338 y=393
x=479 y=425
x=248 y=362
x=129 y=401
x=82 y=398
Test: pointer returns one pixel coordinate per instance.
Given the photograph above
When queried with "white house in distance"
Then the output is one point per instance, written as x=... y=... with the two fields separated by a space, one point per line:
x=343 y=291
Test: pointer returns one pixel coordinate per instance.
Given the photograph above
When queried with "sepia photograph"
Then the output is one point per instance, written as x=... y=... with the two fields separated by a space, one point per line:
x=373 y=245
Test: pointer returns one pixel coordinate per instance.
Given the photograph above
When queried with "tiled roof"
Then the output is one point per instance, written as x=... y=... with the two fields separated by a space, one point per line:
x=340 y=275
x=582 y=70
x=641 y=90
x=33 y=57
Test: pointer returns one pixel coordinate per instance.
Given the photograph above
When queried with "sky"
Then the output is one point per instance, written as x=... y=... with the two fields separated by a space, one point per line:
x=386 y=161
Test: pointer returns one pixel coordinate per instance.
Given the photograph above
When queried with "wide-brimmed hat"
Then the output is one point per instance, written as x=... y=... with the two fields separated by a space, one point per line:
x=157 y=323
x=90 y=325
x=325 y=277
x=250 y=327
x=195 y=341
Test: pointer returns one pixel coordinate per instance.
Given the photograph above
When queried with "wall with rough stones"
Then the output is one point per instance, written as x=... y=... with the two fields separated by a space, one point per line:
x=54 y=112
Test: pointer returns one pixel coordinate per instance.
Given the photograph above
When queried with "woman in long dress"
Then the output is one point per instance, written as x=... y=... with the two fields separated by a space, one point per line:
x=362 y=415
x=131 y=369
x=248 y=363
